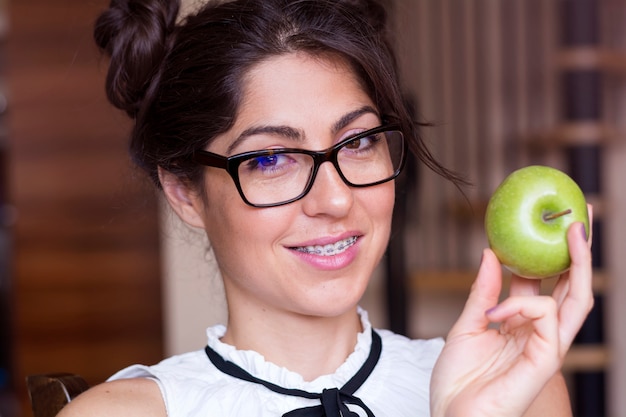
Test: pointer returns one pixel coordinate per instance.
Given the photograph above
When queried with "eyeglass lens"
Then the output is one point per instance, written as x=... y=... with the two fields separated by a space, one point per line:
x=280 y=177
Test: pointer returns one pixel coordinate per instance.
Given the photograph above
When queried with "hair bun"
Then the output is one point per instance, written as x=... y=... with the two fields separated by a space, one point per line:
x=134 y=33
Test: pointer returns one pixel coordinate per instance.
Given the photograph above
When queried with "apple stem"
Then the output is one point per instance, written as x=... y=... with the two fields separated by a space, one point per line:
x=551 y=216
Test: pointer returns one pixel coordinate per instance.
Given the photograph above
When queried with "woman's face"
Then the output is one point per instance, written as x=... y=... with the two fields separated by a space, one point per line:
x=264 y=254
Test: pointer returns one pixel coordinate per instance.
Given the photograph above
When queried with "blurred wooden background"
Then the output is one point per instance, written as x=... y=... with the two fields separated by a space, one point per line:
x=86 y=272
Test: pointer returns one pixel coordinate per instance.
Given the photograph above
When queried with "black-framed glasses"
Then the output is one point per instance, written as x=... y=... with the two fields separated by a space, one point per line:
x=274 y=177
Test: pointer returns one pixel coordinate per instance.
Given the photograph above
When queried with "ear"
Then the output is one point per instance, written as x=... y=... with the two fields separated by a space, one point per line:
x=184 y=201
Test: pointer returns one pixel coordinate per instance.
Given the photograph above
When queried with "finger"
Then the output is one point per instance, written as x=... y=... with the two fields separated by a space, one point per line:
x=562 y=287
x=542 y=313
x=483 y=296
x=524 y=286
x=521 y=287
x=590 y=214
x=578 y=300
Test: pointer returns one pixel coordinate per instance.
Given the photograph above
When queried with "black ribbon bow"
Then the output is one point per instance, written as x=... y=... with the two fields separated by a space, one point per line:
x=334 y=402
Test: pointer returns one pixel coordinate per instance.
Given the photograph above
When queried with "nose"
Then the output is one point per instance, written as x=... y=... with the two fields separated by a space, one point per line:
x=329 y=195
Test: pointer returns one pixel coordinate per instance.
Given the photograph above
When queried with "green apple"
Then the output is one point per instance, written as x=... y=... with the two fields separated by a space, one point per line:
x=527 y=220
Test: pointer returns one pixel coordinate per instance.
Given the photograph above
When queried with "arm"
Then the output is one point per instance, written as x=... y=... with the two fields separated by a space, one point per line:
x=129 y=397
x=513 y=368
x=552 y=401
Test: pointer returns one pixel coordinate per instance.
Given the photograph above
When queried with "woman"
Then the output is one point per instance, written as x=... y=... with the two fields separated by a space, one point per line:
x=237 y=109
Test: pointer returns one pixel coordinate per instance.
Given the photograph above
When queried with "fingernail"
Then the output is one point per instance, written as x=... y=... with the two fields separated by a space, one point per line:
x=583 y=231
x=491 y=310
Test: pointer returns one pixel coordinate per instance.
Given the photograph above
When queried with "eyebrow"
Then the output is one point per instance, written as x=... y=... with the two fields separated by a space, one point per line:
x=353 y=115
x=296 y=134
x=284 y=131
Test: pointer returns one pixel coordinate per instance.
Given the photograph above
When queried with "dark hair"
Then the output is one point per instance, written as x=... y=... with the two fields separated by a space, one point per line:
x=182 y=81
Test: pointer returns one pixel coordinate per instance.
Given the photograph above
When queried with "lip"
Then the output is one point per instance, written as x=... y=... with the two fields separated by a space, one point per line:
x=327 y=240
x=332 y=262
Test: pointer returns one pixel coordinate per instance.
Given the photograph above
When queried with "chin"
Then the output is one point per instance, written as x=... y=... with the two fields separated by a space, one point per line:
x=338 y=302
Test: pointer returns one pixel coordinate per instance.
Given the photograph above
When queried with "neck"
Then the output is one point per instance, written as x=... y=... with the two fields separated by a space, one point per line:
x=311 y=346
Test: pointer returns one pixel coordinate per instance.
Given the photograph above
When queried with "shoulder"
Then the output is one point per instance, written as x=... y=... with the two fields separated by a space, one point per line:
x=137 y=397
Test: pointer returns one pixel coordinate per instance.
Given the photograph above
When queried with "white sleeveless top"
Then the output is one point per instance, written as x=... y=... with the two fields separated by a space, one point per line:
x=192 y=387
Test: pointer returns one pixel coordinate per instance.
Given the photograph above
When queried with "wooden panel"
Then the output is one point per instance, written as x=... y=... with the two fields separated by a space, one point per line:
x=86 y=268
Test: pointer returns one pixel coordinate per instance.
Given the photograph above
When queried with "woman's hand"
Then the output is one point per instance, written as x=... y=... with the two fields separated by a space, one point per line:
x=487 y=370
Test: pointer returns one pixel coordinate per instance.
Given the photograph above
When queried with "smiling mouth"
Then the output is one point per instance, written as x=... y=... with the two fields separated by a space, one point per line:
x=328 y=250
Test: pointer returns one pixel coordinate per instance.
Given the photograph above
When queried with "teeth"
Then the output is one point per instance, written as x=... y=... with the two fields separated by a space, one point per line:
x=329 y=250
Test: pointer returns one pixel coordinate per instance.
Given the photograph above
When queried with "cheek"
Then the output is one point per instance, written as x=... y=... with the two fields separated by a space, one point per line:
x=234 y=228
x=224 y=208
x=377 y=205
x=379 y=201
x=382 y=211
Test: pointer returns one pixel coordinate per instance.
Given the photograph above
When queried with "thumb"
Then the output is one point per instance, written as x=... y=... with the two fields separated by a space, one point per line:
x=484 y=295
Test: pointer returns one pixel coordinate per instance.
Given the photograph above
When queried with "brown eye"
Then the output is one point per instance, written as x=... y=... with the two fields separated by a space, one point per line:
x=354 y=144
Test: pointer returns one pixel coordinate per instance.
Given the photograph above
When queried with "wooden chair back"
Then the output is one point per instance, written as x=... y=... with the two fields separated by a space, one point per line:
x=50 y=392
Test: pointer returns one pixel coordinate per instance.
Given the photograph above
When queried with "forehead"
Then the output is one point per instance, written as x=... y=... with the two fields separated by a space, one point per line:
x=298 y=81
x=300 y=93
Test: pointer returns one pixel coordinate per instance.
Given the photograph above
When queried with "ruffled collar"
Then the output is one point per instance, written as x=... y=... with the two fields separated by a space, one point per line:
x=255 y=364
